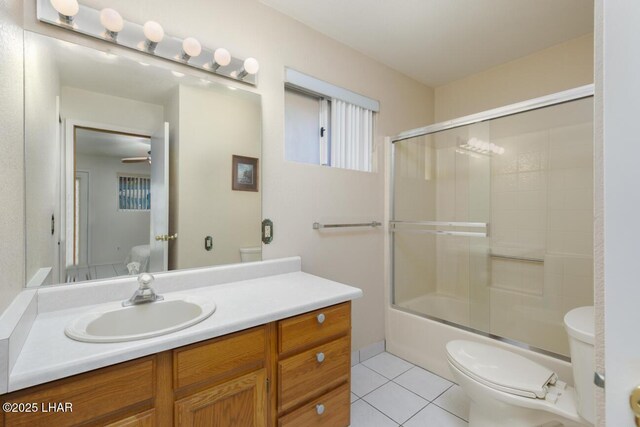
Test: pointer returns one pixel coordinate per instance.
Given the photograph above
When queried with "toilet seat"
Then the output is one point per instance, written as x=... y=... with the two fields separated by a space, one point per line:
x=500 y=369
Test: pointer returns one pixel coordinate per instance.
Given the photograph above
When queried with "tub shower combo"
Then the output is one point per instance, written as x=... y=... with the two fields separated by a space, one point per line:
x=491 y=228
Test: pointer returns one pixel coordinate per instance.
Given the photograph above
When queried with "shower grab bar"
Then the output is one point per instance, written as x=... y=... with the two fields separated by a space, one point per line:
x=517 y=258
x=441 y=223
x=374 y=224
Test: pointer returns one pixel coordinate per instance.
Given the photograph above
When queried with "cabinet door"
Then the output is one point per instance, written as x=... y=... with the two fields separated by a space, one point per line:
x=240 y=402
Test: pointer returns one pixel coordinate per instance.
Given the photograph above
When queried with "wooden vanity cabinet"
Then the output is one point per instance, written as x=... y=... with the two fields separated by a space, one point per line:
x=295 y=372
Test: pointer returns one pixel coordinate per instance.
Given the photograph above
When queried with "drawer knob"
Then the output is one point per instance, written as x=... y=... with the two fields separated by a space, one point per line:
x=320 y=357
x=320 y=409
x=320 y=318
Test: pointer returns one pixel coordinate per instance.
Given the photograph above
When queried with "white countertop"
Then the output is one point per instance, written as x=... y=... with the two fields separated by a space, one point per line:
x=48 y=354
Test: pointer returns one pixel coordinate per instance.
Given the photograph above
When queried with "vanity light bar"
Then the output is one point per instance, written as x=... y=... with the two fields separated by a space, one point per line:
x=150 y=39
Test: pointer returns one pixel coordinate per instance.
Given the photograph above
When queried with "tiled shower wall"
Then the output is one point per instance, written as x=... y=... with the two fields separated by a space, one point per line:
x=542 y=208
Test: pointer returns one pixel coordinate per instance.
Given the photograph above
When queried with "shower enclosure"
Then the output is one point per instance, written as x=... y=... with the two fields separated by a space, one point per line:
x=492 y=221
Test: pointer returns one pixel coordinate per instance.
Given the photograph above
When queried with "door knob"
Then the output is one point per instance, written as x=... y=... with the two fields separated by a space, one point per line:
x=166 y=237
x=634 y=401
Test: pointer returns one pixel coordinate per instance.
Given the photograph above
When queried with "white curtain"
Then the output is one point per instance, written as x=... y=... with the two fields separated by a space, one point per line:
x=351 y=136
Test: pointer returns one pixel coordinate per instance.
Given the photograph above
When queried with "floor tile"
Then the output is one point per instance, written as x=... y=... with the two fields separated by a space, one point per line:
x=354 y=398
x=396 y=402
x=364 y=415
x=364 y=380
x=388 y=365
x=455 y=401
x=434 y=416
x=423 y=383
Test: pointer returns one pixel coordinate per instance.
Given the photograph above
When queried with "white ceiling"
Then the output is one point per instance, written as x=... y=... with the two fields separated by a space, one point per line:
x=438 y=41
x=98 y=143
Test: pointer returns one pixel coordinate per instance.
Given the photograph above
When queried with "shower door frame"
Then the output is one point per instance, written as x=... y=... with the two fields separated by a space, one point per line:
x=563 y=97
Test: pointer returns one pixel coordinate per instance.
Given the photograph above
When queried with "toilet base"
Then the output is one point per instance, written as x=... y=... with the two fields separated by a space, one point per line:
x=509 y=416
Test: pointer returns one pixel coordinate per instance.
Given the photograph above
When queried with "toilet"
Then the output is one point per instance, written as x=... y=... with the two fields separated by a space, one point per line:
x=507 y=389
x=251 y=254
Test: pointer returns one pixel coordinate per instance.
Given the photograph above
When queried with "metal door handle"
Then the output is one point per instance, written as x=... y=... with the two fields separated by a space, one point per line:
x=634 y=402
x=166 y=237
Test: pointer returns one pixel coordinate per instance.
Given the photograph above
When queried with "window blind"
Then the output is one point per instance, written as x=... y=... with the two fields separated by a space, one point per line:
x=134 y=193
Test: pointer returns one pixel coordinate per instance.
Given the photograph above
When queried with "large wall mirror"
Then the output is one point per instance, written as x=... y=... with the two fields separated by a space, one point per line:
x=130 y=166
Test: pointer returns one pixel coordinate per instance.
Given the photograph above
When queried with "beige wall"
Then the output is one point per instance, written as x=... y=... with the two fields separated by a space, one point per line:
x=564 y=66
x=214 y=124
x=12 y=263
x=296 y=195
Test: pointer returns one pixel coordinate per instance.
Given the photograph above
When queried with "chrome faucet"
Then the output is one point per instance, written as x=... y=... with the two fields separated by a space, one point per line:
x=144 y=294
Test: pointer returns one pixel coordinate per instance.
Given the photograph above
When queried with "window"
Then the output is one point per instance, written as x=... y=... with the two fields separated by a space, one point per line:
x=134 y=193
x=307 y=127
x=327 y=125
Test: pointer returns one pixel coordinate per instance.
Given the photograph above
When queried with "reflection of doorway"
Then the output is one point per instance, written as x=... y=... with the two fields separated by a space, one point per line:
x=104 y=234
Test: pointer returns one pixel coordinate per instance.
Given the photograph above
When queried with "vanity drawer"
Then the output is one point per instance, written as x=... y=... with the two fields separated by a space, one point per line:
x=305 y=375
x=92 y=395
x=219 y=358
x=330 y=409
x=310 y=328
x=144 y=419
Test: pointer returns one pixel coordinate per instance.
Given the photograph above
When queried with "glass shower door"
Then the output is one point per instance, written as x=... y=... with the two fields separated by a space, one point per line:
x=493 y=222
x=441 y=219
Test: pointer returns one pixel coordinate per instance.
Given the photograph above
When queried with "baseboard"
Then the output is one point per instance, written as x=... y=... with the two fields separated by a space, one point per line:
x=367 y=352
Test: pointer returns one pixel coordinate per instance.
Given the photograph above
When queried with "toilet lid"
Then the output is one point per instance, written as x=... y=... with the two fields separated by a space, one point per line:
x=500 y=369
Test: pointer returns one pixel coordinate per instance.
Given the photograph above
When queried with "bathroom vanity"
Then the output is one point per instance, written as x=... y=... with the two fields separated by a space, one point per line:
x=251 y=363
x=294 y=372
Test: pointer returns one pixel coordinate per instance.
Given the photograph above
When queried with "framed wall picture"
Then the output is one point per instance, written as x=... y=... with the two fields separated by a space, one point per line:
x=244 y=173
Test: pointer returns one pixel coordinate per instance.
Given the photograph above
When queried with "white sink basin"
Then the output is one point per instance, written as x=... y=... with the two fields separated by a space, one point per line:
x=115 y=323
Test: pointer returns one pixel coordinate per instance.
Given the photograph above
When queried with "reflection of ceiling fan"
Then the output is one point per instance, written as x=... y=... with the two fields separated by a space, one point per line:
x=137 y=159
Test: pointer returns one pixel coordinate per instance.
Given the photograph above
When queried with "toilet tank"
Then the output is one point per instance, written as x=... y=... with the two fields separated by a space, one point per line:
x=580 y=327
x=251 y=254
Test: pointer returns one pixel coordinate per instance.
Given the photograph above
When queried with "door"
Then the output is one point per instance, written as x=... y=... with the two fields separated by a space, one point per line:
x=81 y=233
x=159 y=256
x=241 y=402
x=617 y=225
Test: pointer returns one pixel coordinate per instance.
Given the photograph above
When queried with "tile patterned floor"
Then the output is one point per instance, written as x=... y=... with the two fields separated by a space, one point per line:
x=389 y=391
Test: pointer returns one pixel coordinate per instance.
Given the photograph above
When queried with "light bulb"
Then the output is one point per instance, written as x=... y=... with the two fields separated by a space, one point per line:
x=501 y=150
x=222 y=57
x=153 y=31
x=67 y=8
x=191 y=47
x=251 y=65
x=111 y=20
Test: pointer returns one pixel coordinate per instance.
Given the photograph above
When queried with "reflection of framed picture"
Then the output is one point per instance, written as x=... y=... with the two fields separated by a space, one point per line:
x=244 y=173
